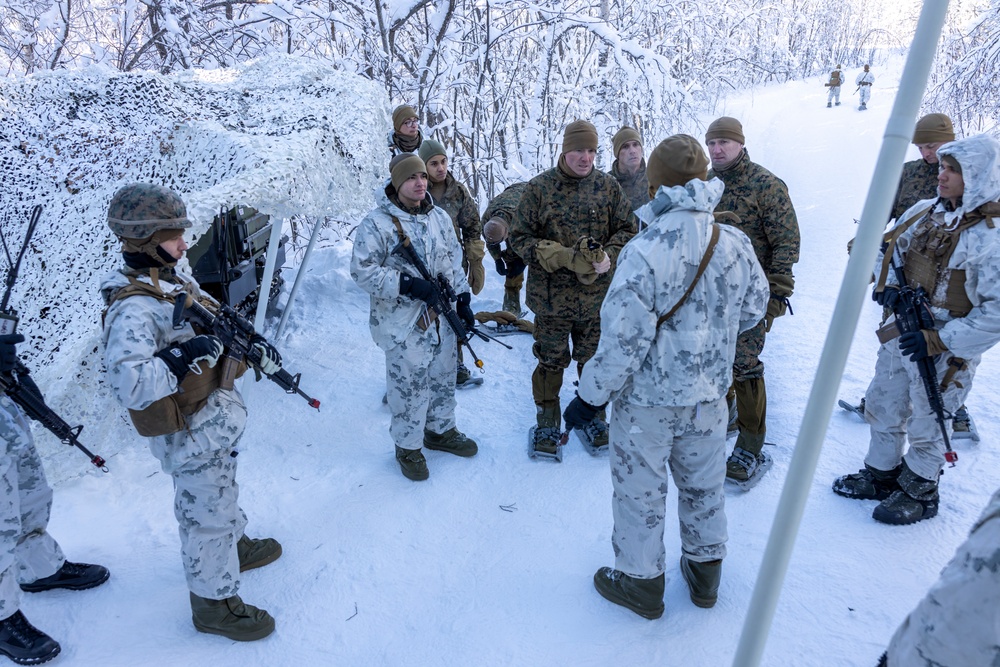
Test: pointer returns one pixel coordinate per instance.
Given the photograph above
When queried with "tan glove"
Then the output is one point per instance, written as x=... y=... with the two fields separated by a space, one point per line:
x=475 y=250
x=525 y=326
x=589 y=254
x=781 y=288
x=499 y=317
x=553 y=256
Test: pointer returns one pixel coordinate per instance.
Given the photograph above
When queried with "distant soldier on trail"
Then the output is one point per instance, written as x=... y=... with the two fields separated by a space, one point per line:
x=836 y=79
x=865 y=80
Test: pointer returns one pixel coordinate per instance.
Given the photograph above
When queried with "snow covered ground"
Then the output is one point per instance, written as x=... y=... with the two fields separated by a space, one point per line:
x=490 y=561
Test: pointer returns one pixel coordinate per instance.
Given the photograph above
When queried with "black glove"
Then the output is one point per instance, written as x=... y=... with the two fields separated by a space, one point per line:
x=416 y=288
x=515 y=267
x=179 y=357
x=501 y=267
x=579 y=413
x=887 y=298
x=8 y=351
x=465 y=311
x=270 y=360
x=913 y=345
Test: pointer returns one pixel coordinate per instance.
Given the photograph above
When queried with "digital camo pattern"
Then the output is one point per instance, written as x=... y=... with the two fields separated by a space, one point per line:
x=376 y=270
x=919 y=181
x=900 y=411
x=897 y=410
x=420 y=380
x=503 y=206
x=767 y=216
x=27 y=551
x=455 y=199
x=749 y=344
x=635 y=186
x=645 y=443
x=139 y=210
x=867 y=79
x=962 y=603
x=197 y=458
x=687 y=360
x=560 y=208
x=552 y=338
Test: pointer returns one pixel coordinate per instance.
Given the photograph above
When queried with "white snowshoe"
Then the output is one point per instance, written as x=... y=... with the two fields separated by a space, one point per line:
x=755 y=465
x=859 y=409
x=505 y=330
x=541 y=454
x=963 y=426
x=466 y=379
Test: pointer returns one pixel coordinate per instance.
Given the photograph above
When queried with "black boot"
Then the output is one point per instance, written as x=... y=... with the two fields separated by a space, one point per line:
x=254 y=553
x=231 y=617
x=72 y=576
x=452 y=441
x=915 y=500
x=643 y=596
x=702 y=580
x=412 y=463
x=868 y=483
x=24 y=643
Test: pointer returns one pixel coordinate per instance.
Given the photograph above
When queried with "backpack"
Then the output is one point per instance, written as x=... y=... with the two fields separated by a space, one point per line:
x=835 y=78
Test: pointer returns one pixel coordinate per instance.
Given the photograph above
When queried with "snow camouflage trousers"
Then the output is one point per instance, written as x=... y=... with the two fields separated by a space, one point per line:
x=644 y=442
x=833 y=95
x=962 y=603
x=897 y=410
x=420 y=381
x=24 y=510
x=749 y=345
x=866 y=94
x=206 y=496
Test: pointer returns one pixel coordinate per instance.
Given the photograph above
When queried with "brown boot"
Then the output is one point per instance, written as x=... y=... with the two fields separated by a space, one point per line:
x=231 y=618
x=702 y=580
x=257 y=553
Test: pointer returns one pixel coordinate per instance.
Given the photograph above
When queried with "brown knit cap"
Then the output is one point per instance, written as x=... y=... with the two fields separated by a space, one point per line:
x=932 y=128
x=579 y=135
x=403 y=166
x=495 y=230
x=675 y=161
x=725 y=128
x=401 y=114
x=622 y=137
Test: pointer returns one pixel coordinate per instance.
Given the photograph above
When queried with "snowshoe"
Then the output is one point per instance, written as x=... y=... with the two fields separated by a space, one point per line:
x=465 y=379
x=545 y=443
x=859 y=409
x=594 y=437
x=508 y=329
x=963 y=427
x=744 y=470
x=868 y=483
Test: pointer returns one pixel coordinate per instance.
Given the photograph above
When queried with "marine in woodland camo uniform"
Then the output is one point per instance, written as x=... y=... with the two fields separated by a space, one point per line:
x=760 y=200
x=634 y=184
x=669 y=380
x=559 y=210
x=144 y=352
x=920 y=177
x=508 y=263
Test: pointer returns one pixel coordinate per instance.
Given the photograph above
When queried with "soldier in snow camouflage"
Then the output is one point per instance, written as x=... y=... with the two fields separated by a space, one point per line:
x=193 y=423
x=760 y=200
x=667 y=361
x=499 y=215
x=30 y=559
x=420 y=349
x=570 y=225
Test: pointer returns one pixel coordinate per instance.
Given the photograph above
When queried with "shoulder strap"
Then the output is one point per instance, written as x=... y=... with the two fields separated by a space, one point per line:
x=709 y=251
x=890 y=239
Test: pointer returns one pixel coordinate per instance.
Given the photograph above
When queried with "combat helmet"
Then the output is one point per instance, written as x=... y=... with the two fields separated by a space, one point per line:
x=139 y=210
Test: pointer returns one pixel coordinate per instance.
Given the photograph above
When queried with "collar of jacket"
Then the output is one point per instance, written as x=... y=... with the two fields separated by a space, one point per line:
x=738 y=166
x=392 y=200
x=563 y=171
x=629 y=178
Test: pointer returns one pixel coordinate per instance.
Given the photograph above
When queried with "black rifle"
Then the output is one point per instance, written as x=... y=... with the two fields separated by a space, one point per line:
x=913 y=313
x=236 y=334
x=34 y=406
x=441 y=300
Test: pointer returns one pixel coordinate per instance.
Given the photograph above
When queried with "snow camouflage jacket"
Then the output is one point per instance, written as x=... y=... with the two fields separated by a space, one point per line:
x=766 y=214
x=561 y=208
x=977 y=250
x=503 y=206
x=461 y=208
x=919 y=181
x=864 y=77
x=134 y=330
x=636 y=186
x=376 y=270
x=689 y=359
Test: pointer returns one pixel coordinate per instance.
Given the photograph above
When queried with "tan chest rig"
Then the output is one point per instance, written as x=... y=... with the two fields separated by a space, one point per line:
x=168 y=414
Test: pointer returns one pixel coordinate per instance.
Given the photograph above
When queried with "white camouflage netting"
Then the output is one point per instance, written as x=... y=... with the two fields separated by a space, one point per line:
x=284 y=135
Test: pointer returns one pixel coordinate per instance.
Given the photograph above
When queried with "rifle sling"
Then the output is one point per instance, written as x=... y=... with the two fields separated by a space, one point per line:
x=709 y=251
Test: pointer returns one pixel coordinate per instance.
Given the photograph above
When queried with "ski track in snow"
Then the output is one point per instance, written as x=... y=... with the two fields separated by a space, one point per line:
x=490 y=561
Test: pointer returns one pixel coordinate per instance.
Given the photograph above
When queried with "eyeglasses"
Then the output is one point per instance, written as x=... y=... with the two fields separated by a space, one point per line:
x=413 y=121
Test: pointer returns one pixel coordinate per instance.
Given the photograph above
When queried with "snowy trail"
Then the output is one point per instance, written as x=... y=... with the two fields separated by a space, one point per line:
x=490 y=561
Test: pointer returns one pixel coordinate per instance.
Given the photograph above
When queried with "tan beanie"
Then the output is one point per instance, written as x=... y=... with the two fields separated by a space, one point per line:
x=675 y=161
x=403 y=166
x=579 y=135
x=725 y=128
x=933 y=128
x=622 y=137
x=495 y=230
x=401 y=114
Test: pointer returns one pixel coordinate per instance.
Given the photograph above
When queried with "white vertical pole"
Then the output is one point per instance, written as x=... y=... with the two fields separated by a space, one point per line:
x=298 y=277
x=853 y=289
